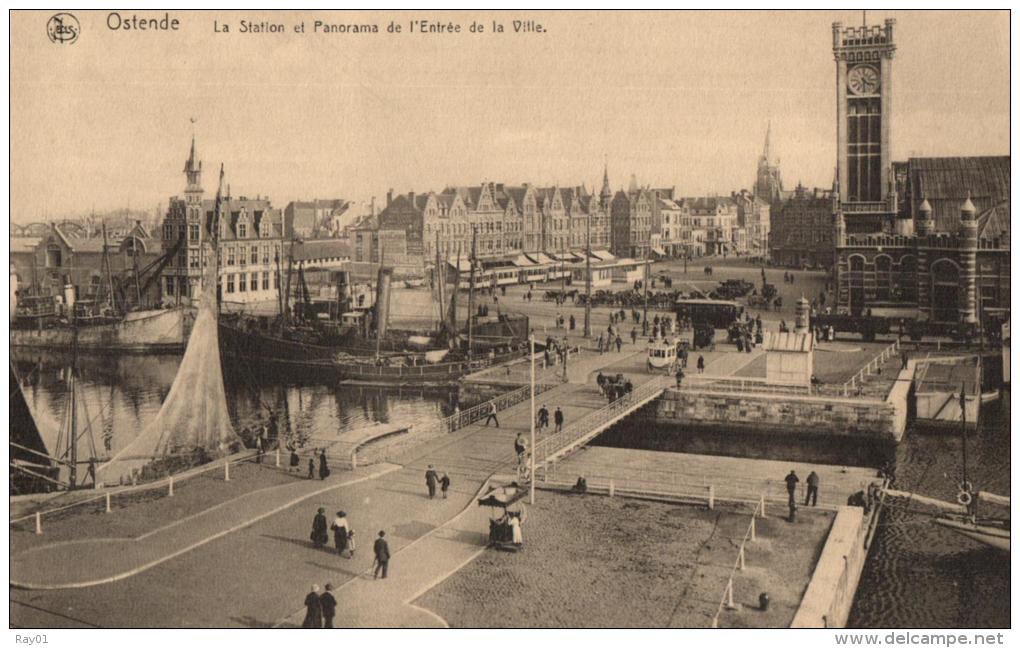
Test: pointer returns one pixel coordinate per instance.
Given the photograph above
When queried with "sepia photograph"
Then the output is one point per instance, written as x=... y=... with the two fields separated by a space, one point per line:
x=411 y=319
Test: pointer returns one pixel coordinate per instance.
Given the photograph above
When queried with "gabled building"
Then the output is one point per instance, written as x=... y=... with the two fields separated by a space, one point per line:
x=317 y=218
x=631 y=218
x=717 y=217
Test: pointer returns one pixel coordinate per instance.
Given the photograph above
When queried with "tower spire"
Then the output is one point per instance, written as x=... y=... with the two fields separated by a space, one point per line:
x=767 y=151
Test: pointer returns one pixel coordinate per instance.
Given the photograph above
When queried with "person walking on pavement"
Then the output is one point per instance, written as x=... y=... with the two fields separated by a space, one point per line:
x=543 y=417
x=558 y=418
x=295 y=461
x=313 y=609
x=323 y=466
x=431 y=479
x=619 y=343
x=341 y=530
x=444 y=484
x=382 y=555
x=328 y=603
x=633 y=335
x=311 y=468
x=320 y=536
x=791 y=484
x=812 y=489
x=492 y=415
x=520 y=447
x=701 y=364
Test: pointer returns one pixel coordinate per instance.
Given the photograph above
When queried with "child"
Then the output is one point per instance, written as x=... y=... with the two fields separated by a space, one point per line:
x=350 y=543
x=444 y=484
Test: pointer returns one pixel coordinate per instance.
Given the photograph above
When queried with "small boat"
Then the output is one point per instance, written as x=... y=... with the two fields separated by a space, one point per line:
x=991 y=532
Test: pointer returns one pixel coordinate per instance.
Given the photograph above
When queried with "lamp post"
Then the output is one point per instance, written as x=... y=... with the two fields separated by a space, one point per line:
x=531 y=340
x=587 y=283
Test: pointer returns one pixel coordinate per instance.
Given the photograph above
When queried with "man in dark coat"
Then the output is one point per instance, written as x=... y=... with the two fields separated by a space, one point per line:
x=558 y=419
x=382 y=555
x=320 y=533
x=313 y=606
x=812 y=489
x=701 y=364
x=543 y=417
x=328 y=603
x=791 y=484
x=431 y=479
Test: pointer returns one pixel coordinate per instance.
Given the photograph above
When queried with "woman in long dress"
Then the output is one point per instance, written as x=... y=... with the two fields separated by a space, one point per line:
x=320 y=532
x=323 y=466
x=515 y=528
x=313 y=613
x=341 y=529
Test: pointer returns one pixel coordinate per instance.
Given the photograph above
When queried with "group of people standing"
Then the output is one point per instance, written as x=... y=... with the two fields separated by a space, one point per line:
x=811 y=498
x=295 y=462
x=320 y=608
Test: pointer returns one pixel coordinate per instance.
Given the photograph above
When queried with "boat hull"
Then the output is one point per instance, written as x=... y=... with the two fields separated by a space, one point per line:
x=163 y=330
x=990 y=536
x=337 y=363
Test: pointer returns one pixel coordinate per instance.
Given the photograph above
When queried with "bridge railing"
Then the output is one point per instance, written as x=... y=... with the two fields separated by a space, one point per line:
x=573 y=432
x=742 y=386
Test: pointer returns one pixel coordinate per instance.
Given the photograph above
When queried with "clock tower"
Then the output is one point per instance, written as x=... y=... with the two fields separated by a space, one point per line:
x=863 y=107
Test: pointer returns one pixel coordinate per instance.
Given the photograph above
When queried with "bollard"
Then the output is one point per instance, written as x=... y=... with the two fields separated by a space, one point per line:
x=754 y=535
x=277 y=456
x=226 y=471
x=38 y=523
x=761 y=506
x=170 y=489
x=711 y=497
x=740 y=558
x=612 y=488
x=108 y=509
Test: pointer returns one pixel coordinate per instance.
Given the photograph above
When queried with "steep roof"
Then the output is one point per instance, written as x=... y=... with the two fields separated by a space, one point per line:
x=946 y=181
x=993 y=223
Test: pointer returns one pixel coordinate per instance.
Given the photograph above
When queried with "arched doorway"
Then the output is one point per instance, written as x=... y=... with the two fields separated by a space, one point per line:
x=945 y=291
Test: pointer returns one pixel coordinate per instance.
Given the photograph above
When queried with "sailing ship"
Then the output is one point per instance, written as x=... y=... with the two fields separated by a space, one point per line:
x=346 y=340
x=112 y=320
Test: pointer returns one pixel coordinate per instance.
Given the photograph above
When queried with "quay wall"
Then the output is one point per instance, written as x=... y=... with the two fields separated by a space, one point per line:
x=770 y=414
x=830 y=592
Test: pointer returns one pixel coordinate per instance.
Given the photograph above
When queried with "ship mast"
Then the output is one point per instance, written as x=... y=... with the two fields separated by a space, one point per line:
x=587 y=272
x=471 y=291
x=109 y=270
x=440 y=293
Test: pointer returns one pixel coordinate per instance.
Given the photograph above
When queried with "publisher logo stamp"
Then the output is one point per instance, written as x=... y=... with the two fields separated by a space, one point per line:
x=63 y=29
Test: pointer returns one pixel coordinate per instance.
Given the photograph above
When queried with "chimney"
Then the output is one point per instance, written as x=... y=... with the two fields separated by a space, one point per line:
x=389 y=197
x=410 y=197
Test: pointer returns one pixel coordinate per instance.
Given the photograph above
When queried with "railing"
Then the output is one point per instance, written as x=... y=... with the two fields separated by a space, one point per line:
x=104 y=497
x=750 y=535
x=586 y=424
x=474 y=414
x=853 y=385
x=742 y=385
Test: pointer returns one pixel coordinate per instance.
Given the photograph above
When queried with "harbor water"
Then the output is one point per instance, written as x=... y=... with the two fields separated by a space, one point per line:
x=918 y=575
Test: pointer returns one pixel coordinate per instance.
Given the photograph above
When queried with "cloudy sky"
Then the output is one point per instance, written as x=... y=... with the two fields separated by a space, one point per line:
x=676 y=98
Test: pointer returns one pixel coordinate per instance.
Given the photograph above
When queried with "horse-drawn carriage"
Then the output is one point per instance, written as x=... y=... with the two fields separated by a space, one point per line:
x=560 y=295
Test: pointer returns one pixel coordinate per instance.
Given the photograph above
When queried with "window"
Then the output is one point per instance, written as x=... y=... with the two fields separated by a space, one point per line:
x=193 y=232
x=241 y=256
x=230 y=255
x=254 y=255
x=265 y=254
x=254 y=281
x=182 y=286
x=193 y=258
x=242 y=282
x=242 y=230
x=168 y=232
x=169 y=290
x=883 y=278
x=265 y=281
x=230 y=283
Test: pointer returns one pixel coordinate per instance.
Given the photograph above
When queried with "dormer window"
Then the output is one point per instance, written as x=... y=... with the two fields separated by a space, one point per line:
x=242 y=230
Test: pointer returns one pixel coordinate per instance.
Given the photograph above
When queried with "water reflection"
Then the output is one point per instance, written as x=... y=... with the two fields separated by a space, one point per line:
x=121 y=394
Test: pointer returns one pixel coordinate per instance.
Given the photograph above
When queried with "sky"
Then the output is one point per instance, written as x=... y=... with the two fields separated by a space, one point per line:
x=677 y=98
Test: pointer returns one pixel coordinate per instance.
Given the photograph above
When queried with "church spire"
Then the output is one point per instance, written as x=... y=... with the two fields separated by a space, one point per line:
x=607 y=192
x=767 y=152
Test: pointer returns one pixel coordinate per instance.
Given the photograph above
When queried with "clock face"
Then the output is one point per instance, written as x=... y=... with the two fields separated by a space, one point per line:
x=863 y=79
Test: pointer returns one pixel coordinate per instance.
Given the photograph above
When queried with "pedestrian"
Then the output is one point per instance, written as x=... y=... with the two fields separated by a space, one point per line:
x=520 y=447
x=444 y=484
x=558 y=418
x=313 y=609
x=812 y=489
x=683 y=358
x=323 y=466
x=382 y=555
x=258 y=449
x=573 y=323
x=320 y=535
x=599 y=341
x=311 y=467
x=295 y=461
x=431 y=479
x=791 y=485
x=633 y=336
x=619 y=343
x=341 y=530
x=492 y=415
x=701 y=364
x=679 y=377
x=543 y=417
x=328 y=603
x=600 y=380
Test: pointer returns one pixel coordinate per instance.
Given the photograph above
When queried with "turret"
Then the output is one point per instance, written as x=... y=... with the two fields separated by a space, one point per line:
x=923 y=225
x=968 y=262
